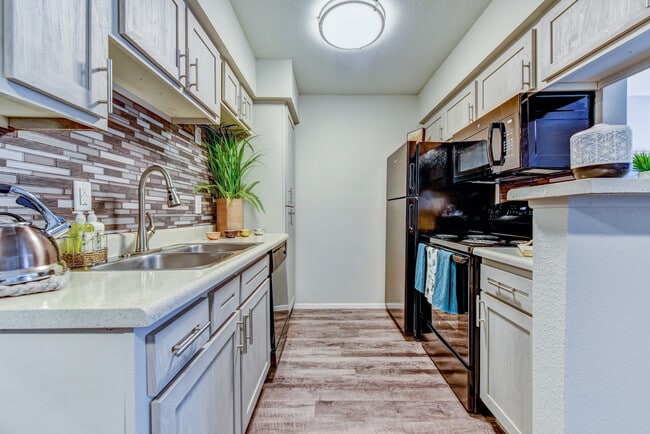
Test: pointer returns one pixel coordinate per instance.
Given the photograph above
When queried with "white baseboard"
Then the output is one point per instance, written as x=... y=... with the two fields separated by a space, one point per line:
x=340 y=306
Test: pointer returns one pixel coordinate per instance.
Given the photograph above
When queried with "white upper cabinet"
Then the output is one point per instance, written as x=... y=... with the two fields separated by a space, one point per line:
x=461 y=110
x=58 y=52
x=245 y=107
x=203 y=66
x=230 y=89
x=156 y=29
x=511 y=73
x=575 y=29
x=434 y=131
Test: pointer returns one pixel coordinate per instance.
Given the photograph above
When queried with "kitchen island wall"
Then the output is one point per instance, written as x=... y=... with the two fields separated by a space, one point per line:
x=342 y=143
x=45 y=163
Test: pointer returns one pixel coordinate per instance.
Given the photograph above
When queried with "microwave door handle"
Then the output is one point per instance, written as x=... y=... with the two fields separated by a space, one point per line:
x=502 y=129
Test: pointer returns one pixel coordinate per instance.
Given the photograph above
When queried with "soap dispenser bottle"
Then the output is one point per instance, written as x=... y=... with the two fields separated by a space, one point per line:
x=98 y=230
x=82 y=234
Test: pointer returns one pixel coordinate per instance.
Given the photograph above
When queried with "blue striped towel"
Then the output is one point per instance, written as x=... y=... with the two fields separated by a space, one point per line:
x=420 y=268
x=444 y=295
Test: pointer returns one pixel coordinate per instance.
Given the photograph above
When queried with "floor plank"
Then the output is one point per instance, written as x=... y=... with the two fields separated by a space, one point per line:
x=350 y=371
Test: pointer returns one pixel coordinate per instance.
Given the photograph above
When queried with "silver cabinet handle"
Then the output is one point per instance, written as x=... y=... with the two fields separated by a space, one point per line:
x=479 y=317
x=470 y=110
x=502 y=286
x=525 y=65
x=291 y=190
x=440 y=128
x=242 y=346
x=189 y=339
x=181 y=57
x=196 y=78
x=109 y=86
x=249 y=330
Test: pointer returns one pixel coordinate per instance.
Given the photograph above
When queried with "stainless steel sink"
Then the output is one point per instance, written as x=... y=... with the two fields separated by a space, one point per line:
x=182 y=256
x=210 y=247
x=165 y=261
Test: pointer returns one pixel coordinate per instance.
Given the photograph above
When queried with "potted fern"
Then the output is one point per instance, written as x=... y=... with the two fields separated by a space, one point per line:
x=641 y=163
x=230 y=158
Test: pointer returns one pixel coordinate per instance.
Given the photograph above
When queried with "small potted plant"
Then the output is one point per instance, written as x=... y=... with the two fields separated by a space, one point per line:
x=641 y=163
x=230 y=157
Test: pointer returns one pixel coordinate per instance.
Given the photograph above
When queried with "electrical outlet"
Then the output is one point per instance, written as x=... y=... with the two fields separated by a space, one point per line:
x=198 y=204
x=82 y=195
x=197 y=135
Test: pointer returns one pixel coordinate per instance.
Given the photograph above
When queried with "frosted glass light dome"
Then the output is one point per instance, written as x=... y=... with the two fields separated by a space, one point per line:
x=351 y=24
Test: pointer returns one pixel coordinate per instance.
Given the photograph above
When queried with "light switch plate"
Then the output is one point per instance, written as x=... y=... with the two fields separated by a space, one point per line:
x=82 y=195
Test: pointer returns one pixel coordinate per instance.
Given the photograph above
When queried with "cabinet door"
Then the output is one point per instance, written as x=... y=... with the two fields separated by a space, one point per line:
x=156 y=29
x=511 y=73
x=461 y=110
x=574 y=29
x=256 y=356
x=230 y=89
x=434 y=131
x=506 y=364
x=245 y=107
x=59 y=49
x=204 y=398
x=204 y=66
x=290 y=208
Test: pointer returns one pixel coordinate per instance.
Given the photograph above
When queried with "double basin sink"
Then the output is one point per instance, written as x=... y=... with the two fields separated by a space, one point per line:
x=182 y=256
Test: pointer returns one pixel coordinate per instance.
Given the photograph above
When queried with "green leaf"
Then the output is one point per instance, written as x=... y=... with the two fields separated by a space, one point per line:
x=231 y=157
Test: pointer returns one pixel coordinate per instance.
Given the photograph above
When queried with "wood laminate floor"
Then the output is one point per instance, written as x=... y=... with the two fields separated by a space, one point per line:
x=350 y=371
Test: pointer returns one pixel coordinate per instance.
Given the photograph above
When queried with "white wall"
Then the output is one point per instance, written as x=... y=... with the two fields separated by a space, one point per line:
x=497 y=22
x=342 y=144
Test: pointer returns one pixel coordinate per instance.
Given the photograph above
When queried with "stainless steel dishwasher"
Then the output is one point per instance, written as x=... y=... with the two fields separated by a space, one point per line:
x=281 y=306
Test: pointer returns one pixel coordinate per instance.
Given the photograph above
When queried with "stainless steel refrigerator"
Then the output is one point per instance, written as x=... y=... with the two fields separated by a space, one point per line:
x=414 y=169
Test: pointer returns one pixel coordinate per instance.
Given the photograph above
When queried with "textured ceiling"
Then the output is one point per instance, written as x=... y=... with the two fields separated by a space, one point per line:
x=419 y=35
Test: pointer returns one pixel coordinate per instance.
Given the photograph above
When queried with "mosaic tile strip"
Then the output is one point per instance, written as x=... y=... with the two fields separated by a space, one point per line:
x=46 y=162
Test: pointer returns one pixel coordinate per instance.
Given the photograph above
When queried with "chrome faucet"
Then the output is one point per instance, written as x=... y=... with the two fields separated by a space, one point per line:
x=145 y=233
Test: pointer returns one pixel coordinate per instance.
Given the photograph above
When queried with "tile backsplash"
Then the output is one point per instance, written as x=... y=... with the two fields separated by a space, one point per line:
x=45 y=163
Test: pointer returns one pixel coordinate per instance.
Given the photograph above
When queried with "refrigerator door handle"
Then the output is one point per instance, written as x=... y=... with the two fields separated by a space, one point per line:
x=411 y=177
x=411 y=216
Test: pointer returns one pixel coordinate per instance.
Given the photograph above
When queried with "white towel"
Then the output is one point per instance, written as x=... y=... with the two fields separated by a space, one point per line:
x=430 y=278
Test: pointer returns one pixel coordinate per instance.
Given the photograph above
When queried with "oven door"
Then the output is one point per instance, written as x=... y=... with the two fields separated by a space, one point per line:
x=470 y=160
x=453 y=328
x=450 y=339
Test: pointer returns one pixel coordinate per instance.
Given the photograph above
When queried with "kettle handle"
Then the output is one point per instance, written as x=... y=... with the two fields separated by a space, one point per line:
x=13 y=216
x=54 y=225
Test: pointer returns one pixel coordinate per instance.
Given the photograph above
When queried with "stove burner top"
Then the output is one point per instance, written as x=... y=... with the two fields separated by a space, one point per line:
x=446 y=236
x=482 y=242
x=485 y=237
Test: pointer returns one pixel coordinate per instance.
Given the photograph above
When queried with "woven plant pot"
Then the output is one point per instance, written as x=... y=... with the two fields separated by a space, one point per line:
x=230 y=214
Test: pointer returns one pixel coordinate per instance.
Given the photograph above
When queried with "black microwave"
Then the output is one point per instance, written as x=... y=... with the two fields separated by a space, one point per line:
x=527 y=135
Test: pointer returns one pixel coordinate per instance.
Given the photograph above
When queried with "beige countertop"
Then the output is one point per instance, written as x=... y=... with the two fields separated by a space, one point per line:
x=582 y=187
x=126 y=299
x=506 y=255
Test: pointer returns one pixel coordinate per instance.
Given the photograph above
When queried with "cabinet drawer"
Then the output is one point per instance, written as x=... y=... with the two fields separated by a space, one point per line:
x=171 y=346
x=253 y=276
x=223 y=303
x=511 y=288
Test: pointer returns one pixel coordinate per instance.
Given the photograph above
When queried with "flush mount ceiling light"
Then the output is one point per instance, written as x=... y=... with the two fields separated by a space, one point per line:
x=351 y=24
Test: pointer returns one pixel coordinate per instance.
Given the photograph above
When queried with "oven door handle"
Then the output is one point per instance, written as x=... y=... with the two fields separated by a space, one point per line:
x=459 y=259
x=504 y=148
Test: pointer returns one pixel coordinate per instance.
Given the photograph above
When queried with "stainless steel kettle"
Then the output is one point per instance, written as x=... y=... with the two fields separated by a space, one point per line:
x=26 y=252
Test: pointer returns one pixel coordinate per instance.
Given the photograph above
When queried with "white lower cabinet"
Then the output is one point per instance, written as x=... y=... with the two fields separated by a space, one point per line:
x=506 y=360
x=217 y=391
x=204 y=398
x=256 y=352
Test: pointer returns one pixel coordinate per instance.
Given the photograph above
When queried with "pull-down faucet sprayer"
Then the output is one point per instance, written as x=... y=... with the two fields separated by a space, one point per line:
x=145 y=233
